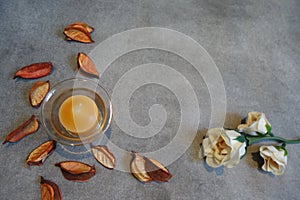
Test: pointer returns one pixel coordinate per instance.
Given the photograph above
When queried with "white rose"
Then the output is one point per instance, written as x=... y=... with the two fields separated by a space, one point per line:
x=221 y=148
x=256 y=122
x=274 y=160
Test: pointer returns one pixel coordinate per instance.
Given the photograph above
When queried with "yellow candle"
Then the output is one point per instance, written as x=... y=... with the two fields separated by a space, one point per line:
x=79 y=114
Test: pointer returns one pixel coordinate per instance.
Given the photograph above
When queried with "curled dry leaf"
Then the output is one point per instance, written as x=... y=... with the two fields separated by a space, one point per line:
x=28 y=127
x=104 y=156
x=86 y=64
x=35 y=70
x=138 y=169
x=81 y=25
x=78 y=33
x=76 y=171
x=156 y=170
x=49 y=190
x=41 y=153
x=38 y=92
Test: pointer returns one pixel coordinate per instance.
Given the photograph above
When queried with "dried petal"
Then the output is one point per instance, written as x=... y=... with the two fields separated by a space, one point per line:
x=28 y=127
x=137 y=168
x=84 y=177
x=76 y=171
x=74 y=167
x=86 y=64
x=35 y=70
x=78 y=34
x=49 y=190
x=40 y=153
x=104 y=156
x=81 y=25
x=156 y=170
x=38 y=92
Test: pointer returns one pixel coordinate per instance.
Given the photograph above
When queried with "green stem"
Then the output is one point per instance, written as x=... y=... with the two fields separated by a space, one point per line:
x=253 y=139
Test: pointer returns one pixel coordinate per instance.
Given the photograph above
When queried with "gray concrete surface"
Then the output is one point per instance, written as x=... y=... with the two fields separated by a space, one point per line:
x=255 y=44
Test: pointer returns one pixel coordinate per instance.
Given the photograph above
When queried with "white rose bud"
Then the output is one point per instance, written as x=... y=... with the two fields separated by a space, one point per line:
x=274 y=160
x=256 y=122
x=221 y=147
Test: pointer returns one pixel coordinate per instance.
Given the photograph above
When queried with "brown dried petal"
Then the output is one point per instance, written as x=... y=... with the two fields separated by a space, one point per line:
x=137 y=168
x=78 y=34
x=76 y=171
x=81 y=25
x=49 y=190
x=156 y=170
x=40 y=153
x=86 y=64
x=28 y=127
x=38 y=92
x=35 y=70
x=104 y=156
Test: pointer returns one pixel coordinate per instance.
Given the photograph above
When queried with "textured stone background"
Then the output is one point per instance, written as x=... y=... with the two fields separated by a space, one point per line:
x=255 y=44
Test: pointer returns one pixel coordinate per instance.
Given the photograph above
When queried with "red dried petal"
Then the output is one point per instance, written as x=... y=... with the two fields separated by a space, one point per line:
x=28 y=127
x=35 y=70
x=156 y=170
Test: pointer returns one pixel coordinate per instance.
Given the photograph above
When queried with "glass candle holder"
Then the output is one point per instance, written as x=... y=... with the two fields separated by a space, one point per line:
x=71 y=88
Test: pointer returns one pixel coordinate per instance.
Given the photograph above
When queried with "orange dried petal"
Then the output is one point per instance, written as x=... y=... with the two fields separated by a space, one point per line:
x=104 y=156
x=76 y=171
x=49 y=190
x=40 y=153
x=78 y=34
x=86 y=64
x=81 y=25
x=137 y=168
x=38 y=92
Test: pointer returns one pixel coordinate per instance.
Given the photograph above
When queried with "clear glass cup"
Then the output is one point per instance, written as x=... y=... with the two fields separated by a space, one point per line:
x=63 y=90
